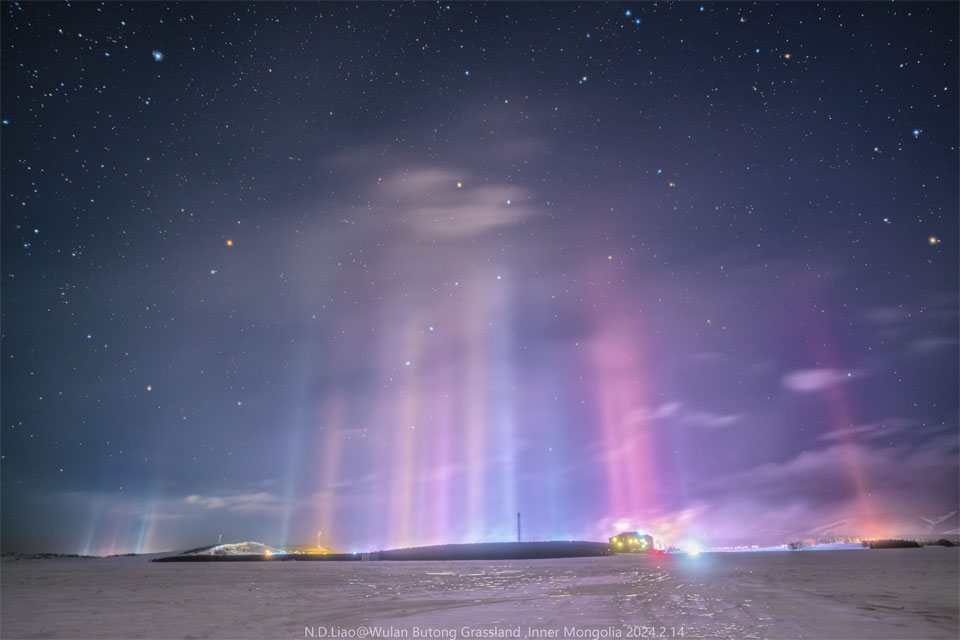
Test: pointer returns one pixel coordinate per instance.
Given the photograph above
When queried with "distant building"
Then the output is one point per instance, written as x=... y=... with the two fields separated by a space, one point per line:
x=632 y=542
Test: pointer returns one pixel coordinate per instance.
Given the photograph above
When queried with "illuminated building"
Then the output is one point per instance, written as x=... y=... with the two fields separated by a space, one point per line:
x=632 y=542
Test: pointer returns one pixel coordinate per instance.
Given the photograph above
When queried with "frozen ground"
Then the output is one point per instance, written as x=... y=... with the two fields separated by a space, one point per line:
x=898 y=593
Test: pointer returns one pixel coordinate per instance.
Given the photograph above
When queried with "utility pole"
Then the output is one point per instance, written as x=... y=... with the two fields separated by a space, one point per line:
x=519 y=538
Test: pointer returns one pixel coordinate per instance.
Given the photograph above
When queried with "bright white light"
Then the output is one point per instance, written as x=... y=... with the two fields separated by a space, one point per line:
x=693 y=548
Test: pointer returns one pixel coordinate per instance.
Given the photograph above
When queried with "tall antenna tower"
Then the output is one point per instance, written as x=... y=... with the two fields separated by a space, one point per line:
x=519 y=537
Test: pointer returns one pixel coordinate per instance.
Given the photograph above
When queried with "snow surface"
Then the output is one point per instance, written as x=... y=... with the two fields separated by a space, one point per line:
x=895 y=593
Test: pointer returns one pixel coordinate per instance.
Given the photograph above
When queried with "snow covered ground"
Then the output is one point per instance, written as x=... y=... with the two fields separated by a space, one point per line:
x=897 y=593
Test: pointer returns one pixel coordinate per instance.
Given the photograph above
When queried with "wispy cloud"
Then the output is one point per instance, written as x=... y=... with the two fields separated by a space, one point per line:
x=710 y=419
x=880 y=429
x=932 y=344
x=260 y=502
x=812 y=380
x=886 y=316
x=448 y=204
x=163 y=516
x=677 y=413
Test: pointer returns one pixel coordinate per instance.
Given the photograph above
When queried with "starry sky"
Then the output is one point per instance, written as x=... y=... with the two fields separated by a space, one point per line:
x=373 y=275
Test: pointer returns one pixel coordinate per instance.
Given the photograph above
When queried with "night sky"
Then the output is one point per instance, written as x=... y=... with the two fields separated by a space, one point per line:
x=383 y=275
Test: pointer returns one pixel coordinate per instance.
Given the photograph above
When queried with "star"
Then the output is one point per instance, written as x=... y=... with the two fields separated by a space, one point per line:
x=916 y=133
x=229 y=242
x=157 y=55
x=459 y=185
x=934 y=240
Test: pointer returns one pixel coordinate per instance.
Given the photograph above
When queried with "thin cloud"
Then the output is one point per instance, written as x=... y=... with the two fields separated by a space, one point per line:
x=677 y=413
x=813 y=380
x=932 y=345
x=260 y=502
x=445 y=204
x=867 y=431
x=887 y=316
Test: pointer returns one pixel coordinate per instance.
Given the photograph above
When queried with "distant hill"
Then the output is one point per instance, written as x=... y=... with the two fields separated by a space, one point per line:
x=256 y=551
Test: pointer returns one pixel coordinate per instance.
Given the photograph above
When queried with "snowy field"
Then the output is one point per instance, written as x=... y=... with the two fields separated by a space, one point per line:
x=900 y=593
